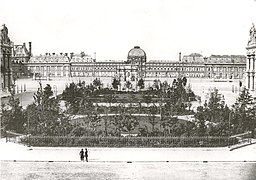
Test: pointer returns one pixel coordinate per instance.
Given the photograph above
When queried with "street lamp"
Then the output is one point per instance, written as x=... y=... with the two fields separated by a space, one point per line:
x=55 y=89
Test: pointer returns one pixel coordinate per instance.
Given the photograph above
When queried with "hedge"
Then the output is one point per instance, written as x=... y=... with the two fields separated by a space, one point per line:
x=55 y=141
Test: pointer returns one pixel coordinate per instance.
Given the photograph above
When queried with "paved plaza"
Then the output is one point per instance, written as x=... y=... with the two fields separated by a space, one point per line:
x=9 y=151
x=21 y=162
x=201 y=87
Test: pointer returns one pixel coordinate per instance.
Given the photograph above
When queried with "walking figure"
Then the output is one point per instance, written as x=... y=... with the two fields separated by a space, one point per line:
x=81 y=155
x=86 y=155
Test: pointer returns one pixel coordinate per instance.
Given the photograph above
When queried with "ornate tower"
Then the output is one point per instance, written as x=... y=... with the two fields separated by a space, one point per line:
x=250 y=61
x=6 y=46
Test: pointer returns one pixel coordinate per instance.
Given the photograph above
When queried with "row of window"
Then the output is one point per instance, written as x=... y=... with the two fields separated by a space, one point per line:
x=173 y=75
x=88 y=74
x=236 y=69
x=48 y=68
x=177 y=68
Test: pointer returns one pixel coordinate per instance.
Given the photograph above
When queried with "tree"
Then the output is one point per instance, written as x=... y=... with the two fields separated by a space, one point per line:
x=164 y=87
x=97 y=84
x=201 y=121
x=152 y=118
x=215 y=106
x=115 y=83
x=129 y=123
x=128 y=85
x=72 y=95
x=156 y=84
x=178 y=89
x=13 y=117
x=253 y=120
x=94 y=120
x=184 y=81
x=243 y=109
x=44 y=114
x=117 y=122
x=141 y=84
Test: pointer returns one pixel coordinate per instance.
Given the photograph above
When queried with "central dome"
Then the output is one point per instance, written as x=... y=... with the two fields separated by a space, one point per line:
x=136 y=54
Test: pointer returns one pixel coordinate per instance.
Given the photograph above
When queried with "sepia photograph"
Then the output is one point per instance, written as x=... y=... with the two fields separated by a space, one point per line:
x=128 y=89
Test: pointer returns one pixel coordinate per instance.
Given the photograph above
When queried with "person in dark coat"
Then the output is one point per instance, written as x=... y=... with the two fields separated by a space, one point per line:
x=86 y=155
x=81 y=155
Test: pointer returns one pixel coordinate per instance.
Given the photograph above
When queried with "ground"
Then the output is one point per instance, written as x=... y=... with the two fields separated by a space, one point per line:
x=22 y=162
x=201 y=87
x=8 y=152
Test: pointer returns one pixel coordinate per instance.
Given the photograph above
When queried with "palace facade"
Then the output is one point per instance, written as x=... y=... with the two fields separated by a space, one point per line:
x=49 y=65
x=17 y=60
x=137 y=66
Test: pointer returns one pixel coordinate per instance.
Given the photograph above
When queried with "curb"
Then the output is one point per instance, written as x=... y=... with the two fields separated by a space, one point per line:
x=241 y=146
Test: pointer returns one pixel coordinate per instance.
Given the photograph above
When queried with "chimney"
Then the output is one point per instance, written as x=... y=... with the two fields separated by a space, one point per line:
x=71 y=55
x=30 y=48
x=180 y=57
x=94 y=56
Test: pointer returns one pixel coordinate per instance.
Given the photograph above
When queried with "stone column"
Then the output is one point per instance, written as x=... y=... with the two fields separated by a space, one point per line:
x=253 y=72
x=253 y=82
x=248 y=80
x=248 y=63
x=253 y=63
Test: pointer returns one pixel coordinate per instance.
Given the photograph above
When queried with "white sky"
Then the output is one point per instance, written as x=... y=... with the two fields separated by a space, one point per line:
x=163 y=28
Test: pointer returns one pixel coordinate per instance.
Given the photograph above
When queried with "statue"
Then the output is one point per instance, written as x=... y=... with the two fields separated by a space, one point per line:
x=4 y=35
x=252 y=39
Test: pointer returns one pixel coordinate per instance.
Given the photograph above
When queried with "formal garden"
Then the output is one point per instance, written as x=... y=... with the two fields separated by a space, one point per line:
x=93 y=115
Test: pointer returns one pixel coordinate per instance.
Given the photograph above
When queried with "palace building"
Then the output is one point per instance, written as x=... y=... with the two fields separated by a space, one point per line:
x=225 y=67
x=137 y=66
x=17 y=61
x=251 y=61
x=49 y=65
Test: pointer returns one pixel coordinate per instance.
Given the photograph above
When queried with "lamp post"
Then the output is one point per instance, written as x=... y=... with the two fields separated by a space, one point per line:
x=55 y=89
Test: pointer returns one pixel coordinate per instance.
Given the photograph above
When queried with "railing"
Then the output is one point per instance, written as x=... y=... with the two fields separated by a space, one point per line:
x=14 y=137
x=243 y=137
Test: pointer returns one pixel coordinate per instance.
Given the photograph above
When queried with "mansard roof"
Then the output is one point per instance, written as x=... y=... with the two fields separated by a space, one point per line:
x=194 y=58
x=81 y=57
x=20 y=51
x=50 y=58
x=226 y=59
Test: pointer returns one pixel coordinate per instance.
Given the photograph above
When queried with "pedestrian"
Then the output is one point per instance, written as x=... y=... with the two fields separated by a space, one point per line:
x=81 y=155
x=86 y=155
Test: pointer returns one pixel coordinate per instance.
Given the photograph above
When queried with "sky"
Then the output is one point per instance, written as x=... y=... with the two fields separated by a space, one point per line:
x=162 y=28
